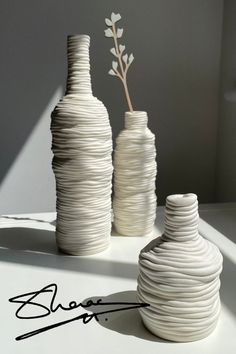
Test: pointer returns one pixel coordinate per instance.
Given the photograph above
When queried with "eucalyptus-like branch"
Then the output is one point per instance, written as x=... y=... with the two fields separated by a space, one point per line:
x=123 y=60
x=123 y=71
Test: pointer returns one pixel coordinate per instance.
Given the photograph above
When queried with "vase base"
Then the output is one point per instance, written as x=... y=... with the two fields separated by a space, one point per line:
x=88 y=252
x=180 y=338
x=129 y=233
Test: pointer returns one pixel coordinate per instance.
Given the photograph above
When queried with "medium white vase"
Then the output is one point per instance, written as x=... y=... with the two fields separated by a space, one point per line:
x=134 y=202
x=179 y=276
x=82 y=163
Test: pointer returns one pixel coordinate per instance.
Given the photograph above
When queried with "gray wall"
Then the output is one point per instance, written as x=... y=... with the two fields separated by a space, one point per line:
x=226 y=162
x=175 y=78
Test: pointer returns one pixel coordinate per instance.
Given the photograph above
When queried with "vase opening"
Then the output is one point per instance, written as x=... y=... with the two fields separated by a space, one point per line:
x=181 y=199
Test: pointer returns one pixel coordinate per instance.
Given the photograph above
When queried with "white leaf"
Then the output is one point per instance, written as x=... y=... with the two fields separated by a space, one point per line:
x=122 y=48
x=112 y=72
x=125 y=57
x=114 y=65
x=115 y=17
x=108 y=22
x=119 y=32
x=108 y=32
x=131 y=58
x=113 y=51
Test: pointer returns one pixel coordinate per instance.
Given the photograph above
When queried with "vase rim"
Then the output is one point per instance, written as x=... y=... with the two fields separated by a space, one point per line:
x=140 y=114
x=134 y=112
x=79 y=36
x=181 y=199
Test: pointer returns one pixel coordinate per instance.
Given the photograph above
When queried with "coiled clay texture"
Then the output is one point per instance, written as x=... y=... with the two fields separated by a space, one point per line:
x=179 y=276
x=135 y=169
x=82 y=146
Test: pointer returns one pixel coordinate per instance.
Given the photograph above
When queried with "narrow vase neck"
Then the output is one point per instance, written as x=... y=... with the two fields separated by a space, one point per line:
x=181 y=217
x=78 y=80
x=136 y=120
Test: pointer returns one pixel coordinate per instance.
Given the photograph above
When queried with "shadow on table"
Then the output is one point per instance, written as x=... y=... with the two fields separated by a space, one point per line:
x=228 y=285
x=36 y=247
x=127 y=322
x=20 y=218
x=28 y=239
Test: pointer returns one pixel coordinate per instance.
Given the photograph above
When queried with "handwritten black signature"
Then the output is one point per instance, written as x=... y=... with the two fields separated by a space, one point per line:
x=27 y=299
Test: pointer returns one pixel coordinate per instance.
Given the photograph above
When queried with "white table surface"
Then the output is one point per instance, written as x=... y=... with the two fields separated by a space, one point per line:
x=29 y=261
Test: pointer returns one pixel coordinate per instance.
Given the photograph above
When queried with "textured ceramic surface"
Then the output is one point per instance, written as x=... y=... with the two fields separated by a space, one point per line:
x=134 y=202
x=179 y=276
x=82 y=146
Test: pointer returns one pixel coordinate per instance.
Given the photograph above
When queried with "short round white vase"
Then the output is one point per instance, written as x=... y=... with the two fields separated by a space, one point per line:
x=134 y=202
x=82 y=162
x=179 y=276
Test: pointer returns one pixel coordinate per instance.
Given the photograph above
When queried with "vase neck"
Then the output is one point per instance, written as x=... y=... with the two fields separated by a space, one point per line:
x=181 y=217
x=78 y=79
x=136 y=120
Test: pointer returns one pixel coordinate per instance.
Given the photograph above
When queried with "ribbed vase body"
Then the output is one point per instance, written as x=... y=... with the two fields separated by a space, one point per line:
x=179 y=276
x=134 y=202
x=82 y=164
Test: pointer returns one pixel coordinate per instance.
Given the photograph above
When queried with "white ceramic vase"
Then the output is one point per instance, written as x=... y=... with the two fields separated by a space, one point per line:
x=179 y=276
x=134 y=202
x=82 y=163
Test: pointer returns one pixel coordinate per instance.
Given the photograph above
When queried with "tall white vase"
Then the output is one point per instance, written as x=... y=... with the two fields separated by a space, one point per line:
x=82 y=146
x=179 y=276
x=134 y=202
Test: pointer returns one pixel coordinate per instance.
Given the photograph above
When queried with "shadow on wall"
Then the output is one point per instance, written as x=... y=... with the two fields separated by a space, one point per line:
x=31 y=76
x=29 y=72
x=28 y=185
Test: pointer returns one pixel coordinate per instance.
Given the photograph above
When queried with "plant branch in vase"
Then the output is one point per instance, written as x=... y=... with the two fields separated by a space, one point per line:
x=134 y=202
x=120 y=67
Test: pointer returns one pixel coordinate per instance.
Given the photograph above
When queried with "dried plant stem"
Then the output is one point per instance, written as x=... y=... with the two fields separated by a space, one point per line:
x=122 y=76
x=127 y=95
